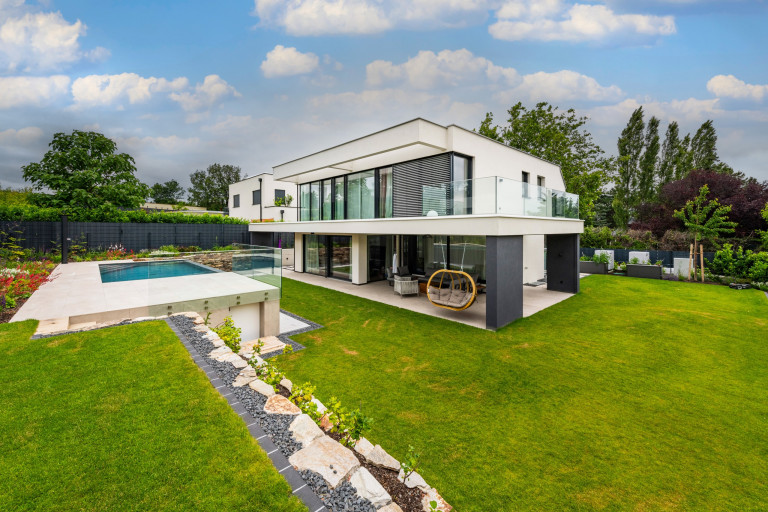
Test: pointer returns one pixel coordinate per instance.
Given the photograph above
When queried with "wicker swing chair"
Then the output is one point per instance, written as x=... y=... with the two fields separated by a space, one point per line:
x=453 y=289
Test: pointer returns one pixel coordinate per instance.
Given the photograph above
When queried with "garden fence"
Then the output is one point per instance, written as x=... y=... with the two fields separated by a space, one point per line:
x=46 y=236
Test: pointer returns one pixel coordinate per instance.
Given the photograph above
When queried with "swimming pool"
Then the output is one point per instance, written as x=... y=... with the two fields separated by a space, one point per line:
x=137 y=270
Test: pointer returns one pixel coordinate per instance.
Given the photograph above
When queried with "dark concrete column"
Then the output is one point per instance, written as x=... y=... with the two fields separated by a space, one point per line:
x=504 y=275
x=563 y=263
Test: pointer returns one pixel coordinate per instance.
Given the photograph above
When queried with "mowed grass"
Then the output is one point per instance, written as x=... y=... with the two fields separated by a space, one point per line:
x=122 y=419
x=633 y=395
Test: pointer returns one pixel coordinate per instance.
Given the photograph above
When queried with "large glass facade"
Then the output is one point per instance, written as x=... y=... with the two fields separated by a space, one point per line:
x=314 y=205
x=341 y=257
x=461 y=174
x=385 y=193
x=328 y=256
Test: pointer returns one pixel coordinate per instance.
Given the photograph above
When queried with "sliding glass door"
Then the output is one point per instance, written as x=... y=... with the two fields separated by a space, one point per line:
x=315 y=255
x=328 y=256
x=341 y=258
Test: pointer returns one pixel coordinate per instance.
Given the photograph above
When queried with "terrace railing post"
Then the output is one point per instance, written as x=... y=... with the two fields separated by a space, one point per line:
x=64 y=239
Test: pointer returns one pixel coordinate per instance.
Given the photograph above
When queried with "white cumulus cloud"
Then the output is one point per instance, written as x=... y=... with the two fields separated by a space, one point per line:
x=728 y=86
x=105 y=90
x=282 y=61
x=24 y=136
x=429 y=70
x=40 y=40
x=205 y=94
x=319 y=17
x=553 y=20
x=19 y=91
x=560 y=86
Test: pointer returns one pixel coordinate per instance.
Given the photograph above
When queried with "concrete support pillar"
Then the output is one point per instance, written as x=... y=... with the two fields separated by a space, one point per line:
x=298 y=252
x=563 y=263
x=359 y=259
x=504 y=275
x=269 y=321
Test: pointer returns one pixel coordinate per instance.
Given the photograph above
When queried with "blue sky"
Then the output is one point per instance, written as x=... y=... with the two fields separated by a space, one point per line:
x=181 y=85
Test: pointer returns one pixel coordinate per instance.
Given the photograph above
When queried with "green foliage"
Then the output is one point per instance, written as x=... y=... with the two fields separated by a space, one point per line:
x=267 y=372
x=634 y=261
x=703 y=147
x=10 y=250
x=170 y=192
x=210 y=188
x=646 y=185
x=301 y=395
x=606 y=238
x=10 y=196
x=670 y=155
x=284 y=201
x=83 y=170
x=107 y=214
x=410 y=462
x=601 y=258
x=229 y=334
x=740 y=264
x=287 y=349
x=630 y=145
x=7 y=301
x=169 y=248
x=358 y=425
x=559 y=137
x=706 y=219
x=764 y=234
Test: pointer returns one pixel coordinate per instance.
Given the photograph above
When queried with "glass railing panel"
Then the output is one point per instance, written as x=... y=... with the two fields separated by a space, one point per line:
x=510 y=194
x=535 y=200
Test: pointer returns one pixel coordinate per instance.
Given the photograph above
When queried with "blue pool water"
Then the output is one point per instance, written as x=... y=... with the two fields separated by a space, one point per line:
x=136 y=270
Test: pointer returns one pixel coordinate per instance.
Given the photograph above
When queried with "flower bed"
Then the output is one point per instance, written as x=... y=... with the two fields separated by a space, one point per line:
x=18 y=282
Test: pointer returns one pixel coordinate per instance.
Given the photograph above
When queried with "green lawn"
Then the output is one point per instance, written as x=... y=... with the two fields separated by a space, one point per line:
x=122 y=419
x=633 y=395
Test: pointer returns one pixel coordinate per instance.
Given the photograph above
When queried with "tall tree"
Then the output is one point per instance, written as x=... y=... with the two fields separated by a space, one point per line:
x=630 y=145
x=704 y=147
x=210 y=188
x=84 y=170
x=670 y=152
x=170 y=192
x=684 y=162
x=559 y=137
x=646 y=184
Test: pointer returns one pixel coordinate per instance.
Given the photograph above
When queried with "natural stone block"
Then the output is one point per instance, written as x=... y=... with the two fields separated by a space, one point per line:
x=392 y=507
x=378 y=457
x=413 y=480
x=287 y=384
x=305 y=430
x=433 y=495
x=363 y=446
x=218 y=352
x=278 y=404
x=369 y=488
x=261 y=387
x=234 y=359
x=244 y=377
x=320 y=407
x=328 y=458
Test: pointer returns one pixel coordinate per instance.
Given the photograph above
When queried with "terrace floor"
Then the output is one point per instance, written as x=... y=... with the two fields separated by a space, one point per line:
x=535 y=299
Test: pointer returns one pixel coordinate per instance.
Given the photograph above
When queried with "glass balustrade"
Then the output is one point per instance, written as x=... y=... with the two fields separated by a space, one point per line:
x=494 y=195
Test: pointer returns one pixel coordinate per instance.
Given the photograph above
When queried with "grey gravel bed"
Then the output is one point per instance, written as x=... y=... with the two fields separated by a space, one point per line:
x=343 y=498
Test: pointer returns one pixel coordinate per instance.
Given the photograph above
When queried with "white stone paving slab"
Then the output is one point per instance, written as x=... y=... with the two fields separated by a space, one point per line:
x=288 y=324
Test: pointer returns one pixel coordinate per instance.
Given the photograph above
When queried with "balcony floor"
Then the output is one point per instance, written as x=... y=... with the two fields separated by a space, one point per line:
x=535 y=299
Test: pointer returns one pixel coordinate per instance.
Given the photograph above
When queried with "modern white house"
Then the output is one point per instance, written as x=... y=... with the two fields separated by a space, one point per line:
x=418 y=197
x=262 y=198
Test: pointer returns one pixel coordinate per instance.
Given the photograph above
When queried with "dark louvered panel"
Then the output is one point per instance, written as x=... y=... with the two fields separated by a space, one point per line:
x=408 y=179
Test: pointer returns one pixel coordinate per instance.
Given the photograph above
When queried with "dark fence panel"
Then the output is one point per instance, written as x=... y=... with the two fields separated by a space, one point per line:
x=667 y=257
x=45 y=236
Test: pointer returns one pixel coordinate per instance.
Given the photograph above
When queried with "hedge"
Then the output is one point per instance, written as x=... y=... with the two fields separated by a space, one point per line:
x=106 y=214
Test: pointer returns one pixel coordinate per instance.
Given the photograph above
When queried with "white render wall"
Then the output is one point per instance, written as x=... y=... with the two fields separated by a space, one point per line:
x=492 y=158
x=533 y=258
x=249 y=211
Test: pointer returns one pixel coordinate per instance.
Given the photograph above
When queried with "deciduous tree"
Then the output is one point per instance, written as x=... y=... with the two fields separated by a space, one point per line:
x=210 y=188
x=170 y=192
x=559 y=137
x=84 y=170
x=670 y=152
x=646 y=185
x=630 y=147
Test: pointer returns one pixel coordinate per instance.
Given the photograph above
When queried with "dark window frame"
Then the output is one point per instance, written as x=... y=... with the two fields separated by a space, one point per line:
x=256 y=196
x=236 y=201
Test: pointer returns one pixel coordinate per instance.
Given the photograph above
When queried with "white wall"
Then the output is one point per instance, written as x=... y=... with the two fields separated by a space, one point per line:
x=248 y=210
x=533 y=258
x=494 y=159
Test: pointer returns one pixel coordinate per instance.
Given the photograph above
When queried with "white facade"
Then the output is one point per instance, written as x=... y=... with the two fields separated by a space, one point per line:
x=242 y=193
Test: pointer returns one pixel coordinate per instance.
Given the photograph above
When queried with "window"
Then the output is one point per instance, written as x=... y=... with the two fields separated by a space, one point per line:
x=526 y=179
x=236 y=201
x=385 y=193
x=257 y=197
x=304 y=202
x=314 y=198
x=279 y=193
x=461 y=191
x=360 y=195
x=540 y=181
x=338 y=198
x=327 y=200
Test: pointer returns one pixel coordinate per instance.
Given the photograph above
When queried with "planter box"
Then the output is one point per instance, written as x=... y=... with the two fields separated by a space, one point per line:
x=590 y=267
x=645 y=271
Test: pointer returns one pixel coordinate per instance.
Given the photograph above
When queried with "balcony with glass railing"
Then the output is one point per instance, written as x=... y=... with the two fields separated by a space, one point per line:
x=494 y=195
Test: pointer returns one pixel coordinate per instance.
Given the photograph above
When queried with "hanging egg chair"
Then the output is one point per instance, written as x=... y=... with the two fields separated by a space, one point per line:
x=451 y=289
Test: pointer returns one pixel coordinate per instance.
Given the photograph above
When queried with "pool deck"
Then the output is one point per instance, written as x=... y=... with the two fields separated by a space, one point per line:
x=75 y=295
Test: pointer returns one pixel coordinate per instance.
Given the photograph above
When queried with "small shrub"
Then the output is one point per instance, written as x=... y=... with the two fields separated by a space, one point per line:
x=634 y=261
x=229 y=334
x=410 y=462
x=601 y=258
x=585 y=258
x=287 y=349
x=169 y=248
x=301 y=395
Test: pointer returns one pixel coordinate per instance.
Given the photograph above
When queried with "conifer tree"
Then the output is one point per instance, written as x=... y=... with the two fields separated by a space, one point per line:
x=704 y=147
x=630 y=147
x=670 y=152
x=646 y=183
